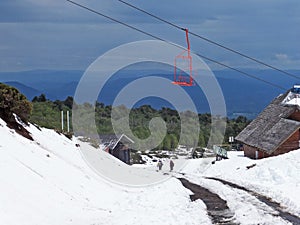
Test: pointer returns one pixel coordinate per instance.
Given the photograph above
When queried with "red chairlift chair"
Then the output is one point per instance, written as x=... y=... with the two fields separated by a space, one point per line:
x=180 y=78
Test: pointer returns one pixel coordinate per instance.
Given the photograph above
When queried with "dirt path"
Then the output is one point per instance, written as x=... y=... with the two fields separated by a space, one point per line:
x=274 y=205
x=216 y=207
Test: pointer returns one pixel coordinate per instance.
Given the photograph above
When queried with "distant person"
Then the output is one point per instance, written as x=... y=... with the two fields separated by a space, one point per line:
x=159 y=165
x=171 y=165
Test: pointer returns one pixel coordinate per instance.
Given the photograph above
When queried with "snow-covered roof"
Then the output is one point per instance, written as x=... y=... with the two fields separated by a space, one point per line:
x=111 y=140
x=121 y=138
x=291 y=98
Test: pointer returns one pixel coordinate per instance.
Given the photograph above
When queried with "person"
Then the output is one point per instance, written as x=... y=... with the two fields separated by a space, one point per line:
x=159 y=164
x=171 y=165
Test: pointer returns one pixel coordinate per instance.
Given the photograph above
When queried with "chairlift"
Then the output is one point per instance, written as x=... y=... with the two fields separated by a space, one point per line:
x=180 y=77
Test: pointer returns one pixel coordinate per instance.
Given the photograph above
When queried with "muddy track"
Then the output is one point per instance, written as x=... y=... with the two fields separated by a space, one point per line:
x=268 y=201
x=216 y=207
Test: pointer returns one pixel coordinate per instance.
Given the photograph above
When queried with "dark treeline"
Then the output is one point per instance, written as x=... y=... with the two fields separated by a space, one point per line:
x=46 y=113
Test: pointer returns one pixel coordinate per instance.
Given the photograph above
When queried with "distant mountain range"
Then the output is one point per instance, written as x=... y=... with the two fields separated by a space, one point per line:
x=29 y=92
x=243 y=95
x=55 y=84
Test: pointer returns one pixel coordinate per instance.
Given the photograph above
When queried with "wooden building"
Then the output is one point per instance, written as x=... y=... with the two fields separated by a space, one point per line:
x=118 y=146
x=276 y=130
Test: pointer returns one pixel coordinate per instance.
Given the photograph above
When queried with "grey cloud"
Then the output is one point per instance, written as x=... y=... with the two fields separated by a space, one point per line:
x=68 y=36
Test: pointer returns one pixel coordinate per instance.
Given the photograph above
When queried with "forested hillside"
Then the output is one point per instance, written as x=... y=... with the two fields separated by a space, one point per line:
x=47 y=113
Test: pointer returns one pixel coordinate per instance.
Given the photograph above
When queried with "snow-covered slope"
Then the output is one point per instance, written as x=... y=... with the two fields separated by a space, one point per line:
x=46 y=181
x=276 y=177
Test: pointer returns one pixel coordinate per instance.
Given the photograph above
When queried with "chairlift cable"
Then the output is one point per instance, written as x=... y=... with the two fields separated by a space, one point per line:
x=114 y=20
x=174 y=44
x=210 y=41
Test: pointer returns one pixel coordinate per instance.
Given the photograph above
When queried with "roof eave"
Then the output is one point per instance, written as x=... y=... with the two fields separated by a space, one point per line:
x=123 y=135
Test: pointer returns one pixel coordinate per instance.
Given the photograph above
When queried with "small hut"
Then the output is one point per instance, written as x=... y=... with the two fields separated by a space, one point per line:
x=118 y=146
x=276 y=129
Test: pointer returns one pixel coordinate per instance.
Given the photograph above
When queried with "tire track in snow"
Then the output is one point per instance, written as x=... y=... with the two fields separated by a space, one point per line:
x=216 y=207
x=268 y=201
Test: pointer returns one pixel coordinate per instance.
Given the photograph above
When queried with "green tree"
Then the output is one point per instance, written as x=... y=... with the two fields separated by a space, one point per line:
x=201 y=141
x=13 y=102
x=174 y=141
x=41 y=98
x=167 y=143
x=69 y=102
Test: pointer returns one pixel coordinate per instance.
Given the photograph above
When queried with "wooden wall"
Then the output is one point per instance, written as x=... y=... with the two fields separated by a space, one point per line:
x=295 y=115
x=250 y=152
x=292 y=143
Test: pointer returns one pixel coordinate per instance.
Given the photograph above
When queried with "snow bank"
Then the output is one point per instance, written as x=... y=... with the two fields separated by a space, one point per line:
x=276 y=177
x=46 y=181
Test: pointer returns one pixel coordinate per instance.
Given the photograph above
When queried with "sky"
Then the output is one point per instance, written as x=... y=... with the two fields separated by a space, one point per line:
x=56 y=35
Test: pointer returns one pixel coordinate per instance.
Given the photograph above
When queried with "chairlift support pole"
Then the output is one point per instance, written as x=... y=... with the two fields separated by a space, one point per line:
x=188 y=41
x=189 y=55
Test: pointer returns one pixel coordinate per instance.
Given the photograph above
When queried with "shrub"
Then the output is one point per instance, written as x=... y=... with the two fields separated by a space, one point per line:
x=13 y=102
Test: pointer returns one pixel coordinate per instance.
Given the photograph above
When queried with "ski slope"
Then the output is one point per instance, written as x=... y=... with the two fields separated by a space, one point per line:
x=48 y=182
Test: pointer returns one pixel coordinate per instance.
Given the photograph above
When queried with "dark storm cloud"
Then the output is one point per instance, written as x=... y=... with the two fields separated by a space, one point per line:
x=70 y=37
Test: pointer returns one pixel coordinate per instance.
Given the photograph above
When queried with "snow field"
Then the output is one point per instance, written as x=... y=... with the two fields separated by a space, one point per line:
x=47 y=182
x=275 y=177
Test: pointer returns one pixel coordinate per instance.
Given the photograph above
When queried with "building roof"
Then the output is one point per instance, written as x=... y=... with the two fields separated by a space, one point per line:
x=271 y=127
x=111 y=140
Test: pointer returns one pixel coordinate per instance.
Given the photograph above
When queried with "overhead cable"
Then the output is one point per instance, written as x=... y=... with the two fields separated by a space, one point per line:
x=174 y=44
x=210 y=41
